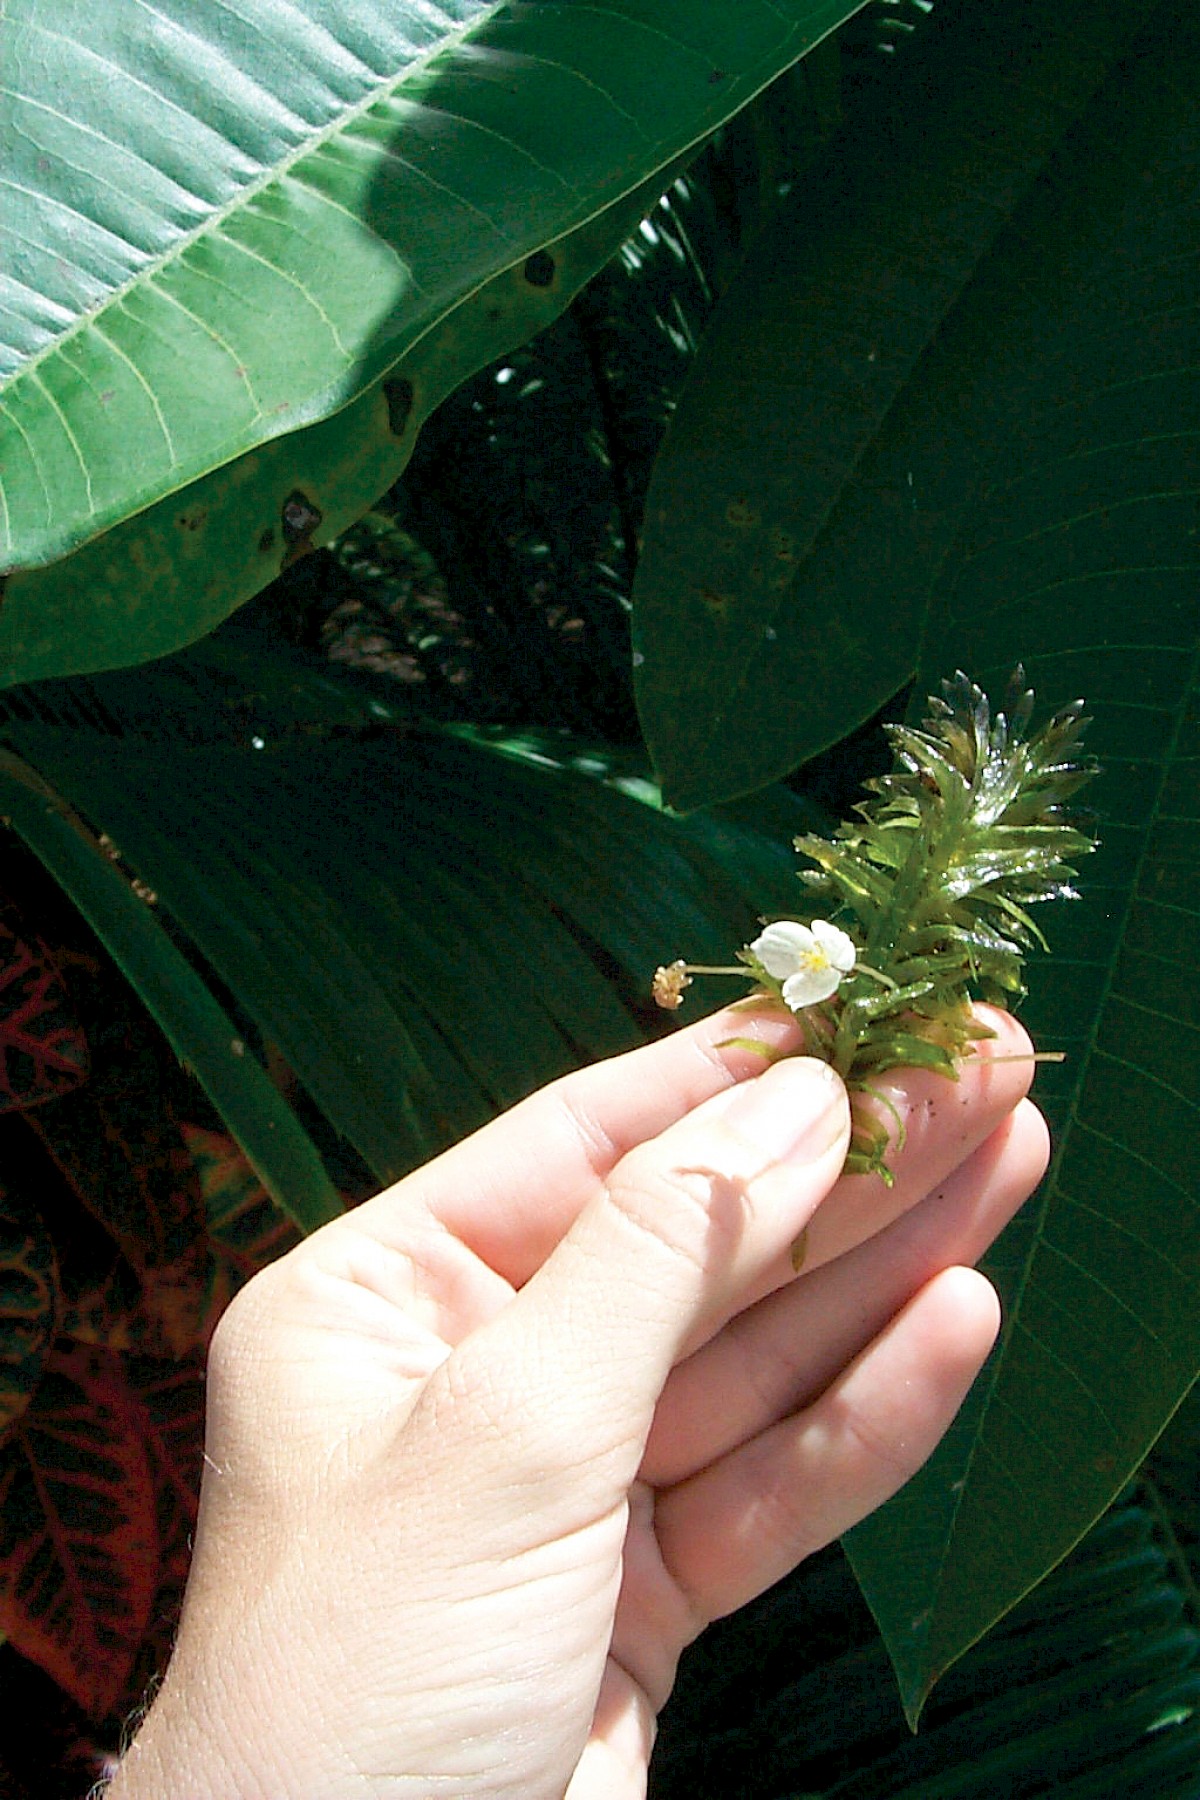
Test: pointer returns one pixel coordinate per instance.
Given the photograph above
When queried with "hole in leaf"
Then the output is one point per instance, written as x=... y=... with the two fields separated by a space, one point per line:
x=300 y=519
x=540 y=269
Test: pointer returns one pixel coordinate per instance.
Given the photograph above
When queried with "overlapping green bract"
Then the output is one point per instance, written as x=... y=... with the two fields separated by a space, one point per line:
x=932 y=881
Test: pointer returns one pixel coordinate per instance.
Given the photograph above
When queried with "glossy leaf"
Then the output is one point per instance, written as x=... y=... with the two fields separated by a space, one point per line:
x=78 y=1542
x=1052 y=440
x=167 y=575
x=241 y=227
x=43 y=1051
x=768 y=619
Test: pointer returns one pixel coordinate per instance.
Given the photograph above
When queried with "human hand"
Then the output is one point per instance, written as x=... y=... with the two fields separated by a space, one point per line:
x=486 y=1454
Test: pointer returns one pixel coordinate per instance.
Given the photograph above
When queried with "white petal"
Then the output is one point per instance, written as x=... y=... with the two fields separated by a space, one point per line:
x=837 y=945
x=810 y=986
x=784 y=947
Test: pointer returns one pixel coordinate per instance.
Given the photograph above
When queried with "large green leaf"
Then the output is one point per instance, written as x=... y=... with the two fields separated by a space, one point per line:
x=191 y=1018
x=424 y=927
x=1088 y=1691
x=167 y=575
x=243 y=220
x=1051 y=437
x=766 y=621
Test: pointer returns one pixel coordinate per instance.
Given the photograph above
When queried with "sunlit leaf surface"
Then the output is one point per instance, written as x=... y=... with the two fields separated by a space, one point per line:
x=243 y=218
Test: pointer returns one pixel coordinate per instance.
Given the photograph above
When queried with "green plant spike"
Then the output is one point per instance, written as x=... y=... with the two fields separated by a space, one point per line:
x=918 y=904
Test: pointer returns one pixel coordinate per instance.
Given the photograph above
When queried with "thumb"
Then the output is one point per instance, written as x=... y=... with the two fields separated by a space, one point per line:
x=684 y=1228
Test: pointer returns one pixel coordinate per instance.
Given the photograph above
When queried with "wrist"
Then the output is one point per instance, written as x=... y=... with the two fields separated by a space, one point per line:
x=197 y=1742
x=165 y=1761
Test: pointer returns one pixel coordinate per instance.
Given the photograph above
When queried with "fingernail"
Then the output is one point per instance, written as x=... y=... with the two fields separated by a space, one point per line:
x=794 y=1111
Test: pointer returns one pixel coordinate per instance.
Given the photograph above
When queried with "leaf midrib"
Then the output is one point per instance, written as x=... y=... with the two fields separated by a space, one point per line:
x=150 y=270
x=991 y=1377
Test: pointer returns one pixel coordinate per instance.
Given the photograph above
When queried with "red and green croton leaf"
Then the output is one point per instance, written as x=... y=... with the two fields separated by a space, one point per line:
x=172 y=1395
x=247 y=1229
x=79 y=1544
x=119 y=1151
x=29 y=1303
x=43 y=1050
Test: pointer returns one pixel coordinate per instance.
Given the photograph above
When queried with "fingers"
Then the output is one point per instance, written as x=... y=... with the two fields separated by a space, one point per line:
x=504 y=1198
x=614 y=1762
x=734 y=1528
x=683 y=1225
x=943 y=1122
x=511 y=1191
x=779 y=1355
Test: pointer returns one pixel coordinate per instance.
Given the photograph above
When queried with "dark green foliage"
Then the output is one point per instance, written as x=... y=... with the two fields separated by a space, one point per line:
x=351 y=863
x=1091 y=1688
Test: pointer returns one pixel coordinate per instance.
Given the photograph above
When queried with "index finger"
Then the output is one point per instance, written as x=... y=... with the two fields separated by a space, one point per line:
x=511 y=1191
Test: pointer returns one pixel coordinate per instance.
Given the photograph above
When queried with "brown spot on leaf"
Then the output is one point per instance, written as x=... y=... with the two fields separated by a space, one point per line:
x=300 y=518
x=399 y=396
x=716 y=605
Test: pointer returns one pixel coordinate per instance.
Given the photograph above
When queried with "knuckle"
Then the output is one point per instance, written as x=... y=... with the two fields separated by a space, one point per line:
x=879 y=1445
x=688 y=1210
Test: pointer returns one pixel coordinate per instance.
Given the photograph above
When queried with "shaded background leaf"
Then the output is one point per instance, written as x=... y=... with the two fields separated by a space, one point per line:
x=424 y=926
x=1051 y=434
x=1090 y=1688
x=245 y=1226
x=193 y=1022
x=767 y=620
x=119 y=1149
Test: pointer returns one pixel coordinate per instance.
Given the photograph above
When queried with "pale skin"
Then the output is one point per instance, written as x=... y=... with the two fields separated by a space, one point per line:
x=485 y=1455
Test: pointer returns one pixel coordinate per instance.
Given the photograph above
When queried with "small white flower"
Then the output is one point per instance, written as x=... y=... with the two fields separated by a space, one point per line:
x=810 y=960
